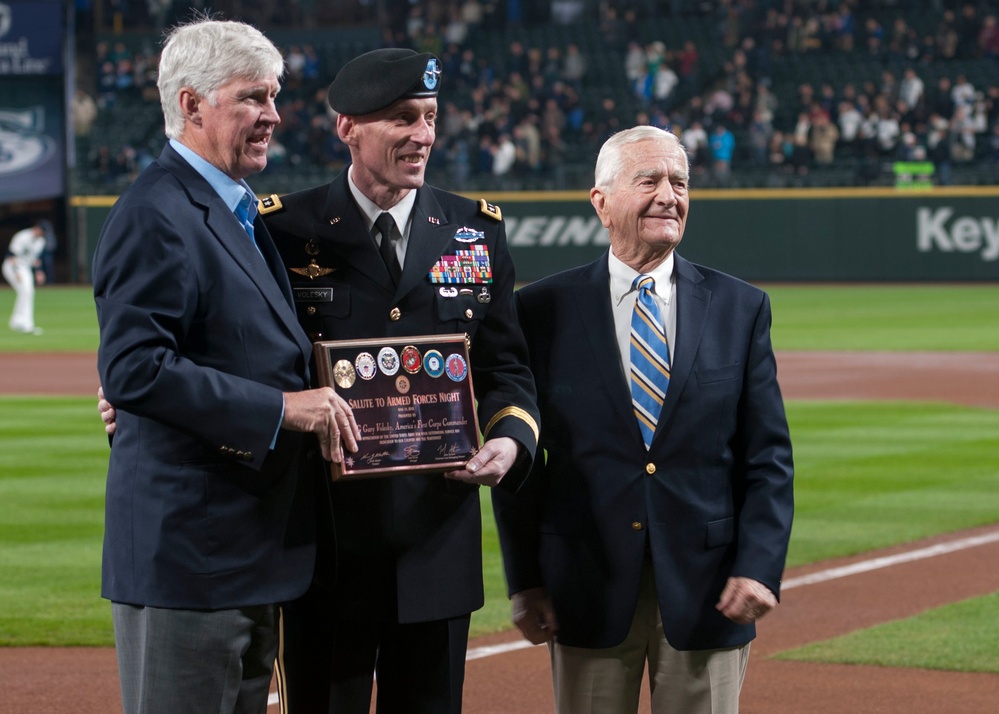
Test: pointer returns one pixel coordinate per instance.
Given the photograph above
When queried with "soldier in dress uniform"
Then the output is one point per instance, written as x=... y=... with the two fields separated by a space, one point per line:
x=377 y=253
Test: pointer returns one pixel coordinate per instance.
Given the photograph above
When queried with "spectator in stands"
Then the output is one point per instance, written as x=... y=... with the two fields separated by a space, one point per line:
x=574 y=66
x=695 y=140
x=688 y=67
x=988 y=37
x=664 y=83
x=963 y=142
x=527 y=140
x=107 y=85
x=822 y=139
x=910 y=90
x=940 y=100
x=849 y=121
x=993 y=143
x=947 y=38
x=722 y=144
x=779 y=152
x=760 y=133
x=635 y=67
x=938 y=142
x=504 y=155
x=968 y=30
x=886 y=127
x=963 y=92
x=84 y=114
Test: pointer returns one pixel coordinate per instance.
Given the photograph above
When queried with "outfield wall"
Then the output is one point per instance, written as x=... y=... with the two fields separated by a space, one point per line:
x=829 y=235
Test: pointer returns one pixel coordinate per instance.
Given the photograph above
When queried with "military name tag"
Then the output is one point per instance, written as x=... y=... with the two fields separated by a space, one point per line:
x=412 y=399
x=313 y=294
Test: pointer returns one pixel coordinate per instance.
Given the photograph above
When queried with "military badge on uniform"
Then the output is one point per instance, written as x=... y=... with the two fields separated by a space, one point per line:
x=488 y=209
x=270 y=204
x=313 y=270
x=468 y=235
x=465 y=266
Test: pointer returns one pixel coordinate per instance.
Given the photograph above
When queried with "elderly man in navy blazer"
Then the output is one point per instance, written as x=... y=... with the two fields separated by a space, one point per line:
x=656 y=527
x=211 y=483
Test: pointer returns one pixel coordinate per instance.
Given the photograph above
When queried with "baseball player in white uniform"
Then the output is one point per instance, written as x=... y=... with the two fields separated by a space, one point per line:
x=22 y=268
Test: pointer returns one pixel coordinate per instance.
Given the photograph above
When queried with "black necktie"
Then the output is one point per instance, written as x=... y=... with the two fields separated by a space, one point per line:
x=384 y=225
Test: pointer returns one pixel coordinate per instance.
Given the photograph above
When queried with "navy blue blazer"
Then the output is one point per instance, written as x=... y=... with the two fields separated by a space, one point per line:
x=198 y=341
x=712 y=498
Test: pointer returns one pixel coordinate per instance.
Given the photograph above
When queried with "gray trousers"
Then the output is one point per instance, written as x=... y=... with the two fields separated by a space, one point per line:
x=193 y=661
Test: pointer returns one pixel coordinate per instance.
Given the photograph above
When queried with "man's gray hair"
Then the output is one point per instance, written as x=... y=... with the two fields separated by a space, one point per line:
x=608 y=166
x=205 y=55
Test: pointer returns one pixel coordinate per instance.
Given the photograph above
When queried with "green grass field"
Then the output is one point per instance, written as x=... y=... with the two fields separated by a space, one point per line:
x=867 y=475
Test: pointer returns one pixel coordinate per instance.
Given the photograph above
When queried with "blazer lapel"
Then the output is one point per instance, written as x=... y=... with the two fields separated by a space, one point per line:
x=691 y=312
x=596 y=323
x=224 y=227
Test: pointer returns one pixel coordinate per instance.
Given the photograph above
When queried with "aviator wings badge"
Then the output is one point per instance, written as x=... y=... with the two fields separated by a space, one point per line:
x=313 y=270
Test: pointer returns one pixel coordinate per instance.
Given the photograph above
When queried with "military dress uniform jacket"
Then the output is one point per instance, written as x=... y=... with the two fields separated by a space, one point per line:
x=408 y=547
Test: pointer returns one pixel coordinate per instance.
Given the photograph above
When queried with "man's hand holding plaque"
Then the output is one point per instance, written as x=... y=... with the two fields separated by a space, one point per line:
x=489 y=466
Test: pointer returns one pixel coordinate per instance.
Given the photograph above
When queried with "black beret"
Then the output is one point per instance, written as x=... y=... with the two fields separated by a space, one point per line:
x=378 y=78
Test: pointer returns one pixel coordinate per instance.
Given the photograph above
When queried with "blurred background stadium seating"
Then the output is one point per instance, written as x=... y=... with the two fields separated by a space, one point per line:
x=765 y=93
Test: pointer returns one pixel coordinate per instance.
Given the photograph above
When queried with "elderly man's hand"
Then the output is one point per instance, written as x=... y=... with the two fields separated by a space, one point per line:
x=534 y=615
x=326 y=414
x=745 y=600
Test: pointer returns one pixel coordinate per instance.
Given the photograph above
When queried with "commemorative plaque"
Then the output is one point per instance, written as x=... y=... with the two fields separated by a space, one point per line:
x=412 y=399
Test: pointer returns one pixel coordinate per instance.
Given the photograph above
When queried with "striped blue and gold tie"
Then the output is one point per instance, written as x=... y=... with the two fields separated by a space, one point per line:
x=649 y=358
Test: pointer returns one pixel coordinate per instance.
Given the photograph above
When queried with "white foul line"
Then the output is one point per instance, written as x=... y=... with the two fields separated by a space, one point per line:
x=865 y=566
x=821 y=576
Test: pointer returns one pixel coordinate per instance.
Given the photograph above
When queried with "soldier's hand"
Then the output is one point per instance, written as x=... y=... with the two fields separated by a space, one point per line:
x=489 y=466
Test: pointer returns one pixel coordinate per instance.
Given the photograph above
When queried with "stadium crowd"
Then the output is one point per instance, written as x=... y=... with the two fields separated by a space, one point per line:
x=762 y=92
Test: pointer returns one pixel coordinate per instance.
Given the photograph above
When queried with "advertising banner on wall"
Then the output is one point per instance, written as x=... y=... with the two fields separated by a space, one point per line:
x=32 y=105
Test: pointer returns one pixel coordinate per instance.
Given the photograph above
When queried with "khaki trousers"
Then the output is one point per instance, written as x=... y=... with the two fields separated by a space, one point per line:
x=609 y=681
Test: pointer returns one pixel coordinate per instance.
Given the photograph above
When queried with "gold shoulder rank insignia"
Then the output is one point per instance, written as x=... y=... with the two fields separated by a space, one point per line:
x=490 y=210
x=270 y=204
